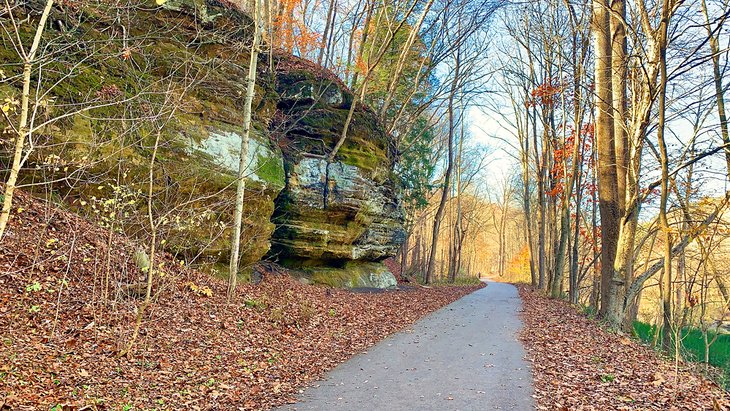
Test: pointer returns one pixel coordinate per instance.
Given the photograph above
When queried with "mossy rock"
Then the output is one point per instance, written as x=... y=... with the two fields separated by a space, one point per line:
x=187 y=44
x=200 y=46
x=304 y=89
x=354 y=274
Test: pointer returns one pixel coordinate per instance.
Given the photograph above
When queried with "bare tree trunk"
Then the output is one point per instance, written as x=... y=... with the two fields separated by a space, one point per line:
x=571 y=184
x=618 y=84
x=458 y=229
x=243 y=155
x=503 y=237
x=404 y=256
x=449 y=170
x=627 y=230
x=578 y=57
x=541 y=229
x=719 y=88
x=329 y=25
x=608 y=195
x=153 y=251
x=627 y=181
x=22 y=130
x=539 y=180
x=526 y=207
x=573 y=274
x=664 y=162
x=416 y=259
x=644 y=96
x=596 y=288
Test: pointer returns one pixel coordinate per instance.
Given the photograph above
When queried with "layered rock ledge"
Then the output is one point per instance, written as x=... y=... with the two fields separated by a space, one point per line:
x=335 y=221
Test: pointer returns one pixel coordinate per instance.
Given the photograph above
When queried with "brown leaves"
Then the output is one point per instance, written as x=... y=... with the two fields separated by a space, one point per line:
x=195 y=350
x=577 y=365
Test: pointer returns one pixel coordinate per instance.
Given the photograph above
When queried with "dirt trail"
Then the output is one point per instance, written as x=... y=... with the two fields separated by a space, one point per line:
x=465 y=356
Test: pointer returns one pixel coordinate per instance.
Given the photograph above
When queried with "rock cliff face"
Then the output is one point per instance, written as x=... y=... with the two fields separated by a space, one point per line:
x=340 y=214
x=335 y=221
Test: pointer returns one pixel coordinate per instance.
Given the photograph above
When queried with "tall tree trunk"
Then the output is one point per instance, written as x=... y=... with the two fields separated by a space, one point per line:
x=523 y=133
x=575 y=247
x=574 y=180
x=458 y=229
x=719 y=88
x=608 y=196
x=571 y=184
x=627 y=181
x=541 y=215
x=243 y=155
x=618 y=85
x=503 y=234
x=539 y=178
x=329 y=25
x=416 y=258
x=449 y=170
x=404 y=256
x=667 y=314
x=22 y=130
x=596 y=288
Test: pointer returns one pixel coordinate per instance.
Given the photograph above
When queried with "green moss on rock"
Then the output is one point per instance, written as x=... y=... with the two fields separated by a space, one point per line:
x=194 y=45
x=355 y=274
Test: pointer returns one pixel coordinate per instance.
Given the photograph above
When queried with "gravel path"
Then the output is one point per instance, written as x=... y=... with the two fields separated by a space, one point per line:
x=465 y=356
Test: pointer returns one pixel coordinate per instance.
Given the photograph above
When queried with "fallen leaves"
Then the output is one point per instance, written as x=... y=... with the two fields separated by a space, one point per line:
x=577 y=365
x=195 y=350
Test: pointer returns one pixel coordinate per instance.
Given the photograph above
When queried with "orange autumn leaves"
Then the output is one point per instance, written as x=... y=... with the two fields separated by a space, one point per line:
x=290 y=31
x=518 y=268
x=547 y=96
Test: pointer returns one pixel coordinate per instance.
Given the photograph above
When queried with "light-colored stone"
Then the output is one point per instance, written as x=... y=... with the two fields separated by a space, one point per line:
x=362 y=219
x=355 y=274
x=222 y=144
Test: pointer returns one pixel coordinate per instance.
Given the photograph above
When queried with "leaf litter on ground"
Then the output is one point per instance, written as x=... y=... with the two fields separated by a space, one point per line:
x=579 y=365
x=60 y=333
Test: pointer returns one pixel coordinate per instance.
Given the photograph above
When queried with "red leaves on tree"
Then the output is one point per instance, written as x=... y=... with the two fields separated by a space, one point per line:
x=546 y=94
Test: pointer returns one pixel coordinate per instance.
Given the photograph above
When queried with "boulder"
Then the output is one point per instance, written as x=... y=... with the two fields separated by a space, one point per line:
x=361 y=219
x=333 y=218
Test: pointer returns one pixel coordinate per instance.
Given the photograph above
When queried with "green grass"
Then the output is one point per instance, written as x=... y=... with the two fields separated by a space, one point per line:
x=693 y=347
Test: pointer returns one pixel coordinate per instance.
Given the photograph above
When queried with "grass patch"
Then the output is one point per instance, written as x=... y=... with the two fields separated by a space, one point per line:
x=588 y=311
x=693 y=347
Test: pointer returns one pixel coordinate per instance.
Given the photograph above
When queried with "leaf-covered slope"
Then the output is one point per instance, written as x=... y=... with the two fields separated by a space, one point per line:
x=578 y=365
x=60 y=337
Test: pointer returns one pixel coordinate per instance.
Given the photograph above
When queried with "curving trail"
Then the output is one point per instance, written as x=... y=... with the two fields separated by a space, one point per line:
x=465 y=356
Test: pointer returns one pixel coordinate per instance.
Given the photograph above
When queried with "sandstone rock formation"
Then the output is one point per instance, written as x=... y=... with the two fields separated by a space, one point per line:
x=335 y=221
x=341 y=214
